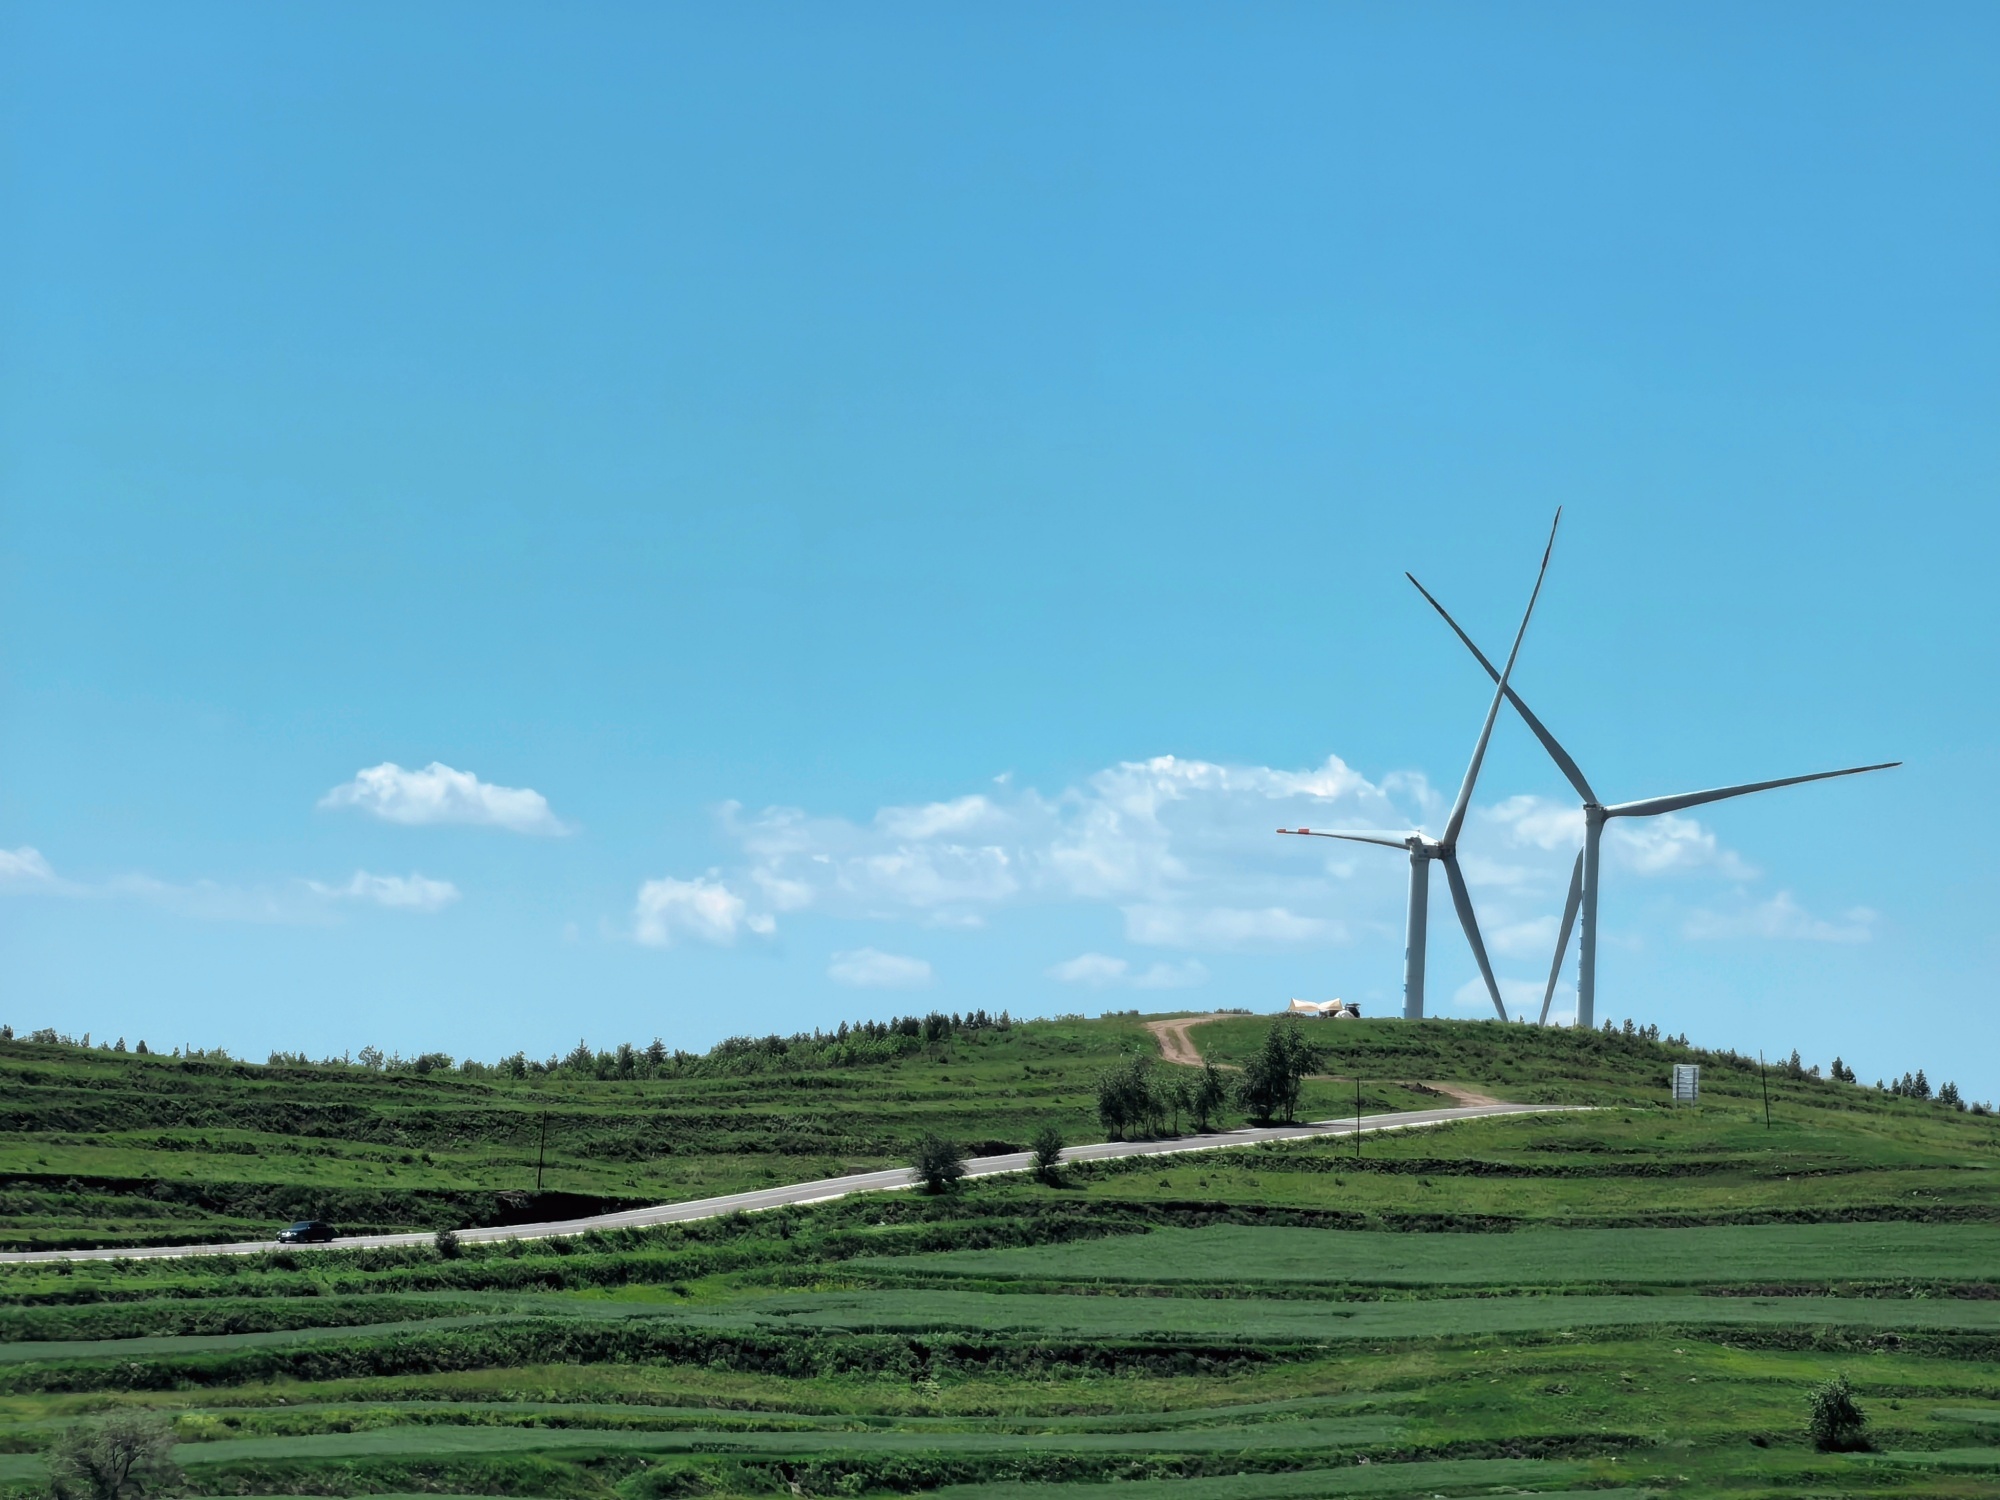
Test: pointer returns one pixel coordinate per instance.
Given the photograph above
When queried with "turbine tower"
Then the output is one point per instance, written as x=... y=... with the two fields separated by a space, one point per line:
x=1583 y=880
x=1423 y=849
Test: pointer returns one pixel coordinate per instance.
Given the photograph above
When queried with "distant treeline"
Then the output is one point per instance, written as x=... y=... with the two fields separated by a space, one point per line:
x=860 y=1042
x=1909 y=1086
x=848 y=1044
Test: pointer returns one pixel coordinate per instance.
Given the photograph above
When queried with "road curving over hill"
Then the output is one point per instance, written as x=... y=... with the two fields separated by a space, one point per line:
x=821 y=1191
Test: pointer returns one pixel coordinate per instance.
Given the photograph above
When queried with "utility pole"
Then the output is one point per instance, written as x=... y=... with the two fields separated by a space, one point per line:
x=1764 y=1078
x=1357 y=1117
x=542 y=1151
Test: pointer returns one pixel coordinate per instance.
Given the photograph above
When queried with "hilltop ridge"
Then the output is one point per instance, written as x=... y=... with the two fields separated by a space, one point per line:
x=103 y=1147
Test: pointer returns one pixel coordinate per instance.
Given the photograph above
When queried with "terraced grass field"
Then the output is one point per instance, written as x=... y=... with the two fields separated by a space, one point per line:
x=1717 y=1255
x=1632 y=1301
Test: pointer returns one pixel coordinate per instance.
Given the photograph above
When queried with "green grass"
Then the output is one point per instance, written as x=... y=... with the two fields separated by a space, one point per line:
x=103 y=1147
x=159 y=1317
x=1719 y=1255
x=1258 y=1320
x=1475 y=1475
x=159 y=1346
x=98 y=1146
x=1285 y=1437
x=1224 y=1326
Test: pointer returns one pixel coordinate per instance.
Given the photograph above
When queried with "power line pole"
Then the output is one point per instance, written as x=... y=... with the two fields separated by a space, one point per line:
x=542 y=1151
x=1357 y=1117
x=1764 y=1078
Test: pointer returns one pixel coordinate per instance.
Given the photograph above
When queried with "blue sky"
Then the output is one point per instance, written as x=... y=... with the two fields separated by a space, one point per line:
x=886 y=507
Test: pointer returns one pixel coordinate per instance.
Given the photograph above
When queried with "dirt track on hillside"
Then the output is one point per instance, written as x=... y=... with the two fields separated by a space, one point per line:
x=1176 y=1046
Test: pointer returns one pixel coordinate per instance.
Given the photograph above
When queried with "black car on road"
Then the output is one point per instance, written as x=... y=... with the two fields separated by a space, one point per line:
x=307 y=1232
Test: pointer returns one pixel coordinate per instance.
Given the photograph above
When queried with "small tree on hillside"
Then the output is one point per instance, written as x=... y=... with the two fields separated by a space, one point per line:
x=1048 y=1148
x=1177 y=1096
x=939 y=1162
x=1833 y=1421
x=119 y=1458
x=1210 y=1094
x=1128 y=1105
x=1275 y=1077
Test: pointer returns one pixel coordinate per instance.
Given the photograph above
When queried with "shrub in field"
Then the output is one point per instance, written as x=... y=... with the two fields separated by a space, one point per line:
x=1834 y=1422
x=1128 y=1104
x=939 y=1162
x=125 y=1455
x=447 y=1244
x=1047 y=1146
x=1274 y=1078
x=1210 y=1093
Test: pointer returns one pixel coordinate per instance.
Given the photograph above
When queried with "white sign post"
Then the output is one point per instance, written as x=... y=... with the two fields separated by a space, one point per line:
x=1687 y=1083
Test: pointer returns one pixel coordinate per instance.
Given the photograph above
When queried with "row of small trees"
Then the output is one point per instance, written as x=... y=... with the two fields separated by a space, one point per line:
x=1136 y=1098
x=939 y=1161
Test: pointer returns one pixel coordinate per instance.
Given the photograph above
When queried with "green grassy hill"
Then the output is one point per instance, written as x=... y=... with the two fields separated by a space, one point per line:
x=1630 y=1300
x=102 y=1147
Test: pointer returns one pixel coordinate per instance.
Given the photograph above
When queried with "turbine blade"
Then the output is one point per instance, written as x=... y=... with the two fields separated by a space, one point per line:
x=1557 y=754
x=1365 y=836
x=1464 y=802
x=1653 y=806
x=1462 y=899
x=1562 y=937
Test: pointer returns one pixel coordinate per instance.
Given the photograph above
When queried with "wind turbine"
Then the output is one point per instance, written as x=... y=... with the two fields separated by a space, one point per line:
x=1424 y=849
x=1583 y=880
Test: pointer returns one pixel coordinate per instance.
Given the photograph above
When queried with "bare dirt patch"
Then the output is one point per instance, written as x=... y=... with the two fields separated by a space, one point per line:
x=1176 y=1046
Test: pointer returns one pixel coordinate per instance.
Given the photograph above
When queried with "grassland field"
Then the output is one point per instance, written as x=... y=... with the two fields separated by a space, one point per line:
x=1633 y=1300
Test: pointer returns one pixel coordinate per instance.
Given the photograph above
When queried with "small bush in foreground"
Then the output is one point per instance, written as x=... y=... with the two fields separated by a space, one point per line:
x=939 y=1162
x=447 y=1244
x=1834 y=1422
x=1048 y=1148
x=121 y=1457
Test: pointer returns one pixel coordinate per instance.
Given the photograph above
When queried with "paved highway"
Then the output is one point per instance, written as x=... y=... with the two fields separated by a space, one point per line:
x=821 y=1191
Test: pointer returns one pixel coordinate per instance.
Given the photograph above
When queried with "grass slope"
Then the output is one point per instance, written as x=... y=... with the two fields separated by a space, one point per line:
x=1717 y=1255
x=1633 y=1300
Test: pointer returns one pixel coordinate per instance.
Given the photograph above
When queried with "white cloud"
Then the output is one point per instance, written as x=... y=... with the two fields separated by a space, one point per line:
x=936 y=819
x=872 y=969
x=1222 y=927
x=1662 y=845
x=782 y=894
x=412 y=892
x=1186 y=846
x=1094 y=969
x=1537 y=822
x=1669 y=844
x=1781 y=917
x=24 y=869
x=702 y=908
x=1534 y=937
x=301 y=902
x=1488 y=874
x=1101 y=971
x=439 y=794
